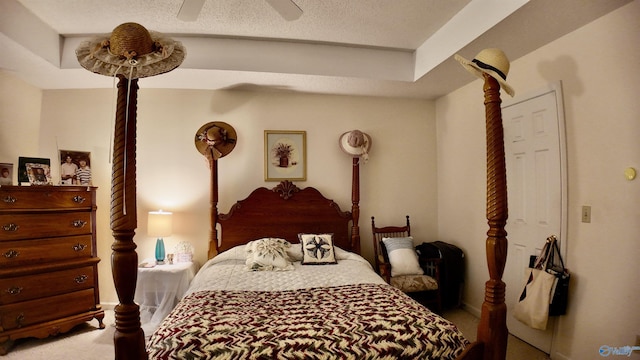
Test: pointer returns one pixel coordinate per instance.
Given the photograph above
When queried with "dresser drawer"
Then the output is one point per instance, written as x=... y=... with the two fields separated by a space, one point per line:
x=31 y=226
x=31 y=287
x=30 y=252
x=30 y=312
x=16 y=198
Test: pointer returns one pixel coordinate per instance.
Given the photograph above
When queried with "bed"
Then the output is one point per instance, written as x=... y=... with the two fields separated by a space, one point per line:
x=298 y=211
x=334 y=309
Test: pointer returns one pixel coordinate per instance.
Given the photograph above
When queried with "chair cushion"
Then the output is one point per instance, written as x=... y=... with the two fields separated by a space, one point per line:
x=402 y=256
x=414 y=283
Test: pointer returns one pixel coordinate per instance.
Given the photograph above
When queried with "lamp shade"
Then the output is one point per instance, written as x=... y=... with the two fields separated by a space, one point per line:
x=159 y=224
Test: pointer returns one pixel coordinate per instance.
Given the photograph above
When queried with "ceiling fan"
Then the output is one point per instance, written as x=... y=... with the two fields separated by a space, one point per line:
x=288 y=9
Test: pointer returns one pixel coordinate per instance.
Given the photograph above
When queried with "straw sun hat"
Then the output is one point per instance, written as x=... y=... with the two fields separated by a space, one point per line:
x=215 y=139
x=356 y=143
x=132 y=51
x=490 y=61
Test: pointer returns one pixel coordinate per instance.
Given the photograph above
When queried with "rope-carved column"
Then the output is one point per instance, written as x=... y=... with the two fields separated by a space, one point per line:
x=128 y=337
x=494 y=307
x=355 y=207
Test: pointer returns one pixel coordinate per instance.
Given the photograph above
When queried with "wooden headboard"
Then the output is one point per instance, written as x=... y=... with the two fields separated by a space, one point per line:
x=284 y=212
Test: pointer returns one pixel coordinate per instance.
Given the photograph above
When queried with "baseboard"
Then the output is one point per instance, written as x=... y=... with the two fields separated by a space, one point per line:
x=471 y=310
x=108 y=305
x=559 y=356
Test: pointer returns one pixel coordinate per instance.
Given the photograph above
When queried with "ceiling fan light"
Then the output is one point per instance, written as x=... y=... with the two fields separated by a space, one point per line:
x=190 y=10
x=288 y=9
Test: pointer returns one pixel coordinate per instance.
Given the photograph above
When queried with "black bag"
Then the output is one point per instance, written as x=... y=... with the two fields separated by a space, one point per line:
x=560 y=292
x=451 y=269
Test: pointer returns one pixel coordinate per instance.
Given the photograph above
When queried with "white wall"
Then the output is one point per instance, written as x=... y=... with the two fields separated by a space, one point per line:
x=19 y=120
x=598 y=66
x=399 y=178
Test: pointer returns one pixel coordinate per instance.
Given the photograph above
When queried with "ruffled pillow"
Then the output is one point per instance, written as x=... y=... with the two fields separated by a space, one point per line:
x=268 y=254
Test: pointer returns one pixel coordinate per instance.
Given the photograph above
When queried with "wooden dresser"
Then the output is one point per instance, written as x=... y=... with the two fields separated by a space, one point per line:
x=48 y=262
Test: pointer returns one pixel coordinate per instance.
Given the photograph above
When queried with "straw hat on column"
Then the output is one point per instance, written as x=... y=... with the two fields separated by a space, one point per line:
x=489 y=61
x=215 y=139
x=356 y=143
x=132 y=51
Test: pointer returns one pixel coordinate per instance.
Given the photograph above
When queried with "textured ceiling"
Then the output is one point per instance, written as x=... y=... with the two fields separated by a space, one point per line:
x=399 y=48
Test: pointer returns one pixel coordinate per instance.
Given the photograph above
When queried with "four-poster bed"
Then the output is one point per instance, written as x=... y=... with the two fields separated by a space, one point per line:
x=257 y=217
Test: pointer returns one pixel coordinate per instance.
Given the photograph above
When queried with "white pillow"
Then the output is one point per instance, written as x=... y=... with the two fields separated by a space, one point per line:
x=268 y=254
x=294 y=252
x=402 y=256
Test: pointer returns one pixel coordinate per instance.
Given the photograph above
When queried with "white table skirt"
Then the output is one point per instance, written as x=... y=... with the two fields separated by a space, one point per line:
x=159 y=289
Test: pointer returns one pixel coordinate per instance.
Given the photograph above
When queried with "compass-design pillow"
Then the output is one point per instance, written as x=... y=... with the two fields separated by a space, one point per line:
x=317 y=249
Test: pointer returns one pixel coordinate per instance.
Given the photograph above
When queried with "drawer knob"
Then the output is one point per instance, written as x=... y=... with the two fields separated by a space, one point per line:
x=9 y=199
x=14 y=290
x=81 y=279
x=11 y=254
x=79 y=247
x=10 y=227
x=78 y=199
x=78 y=223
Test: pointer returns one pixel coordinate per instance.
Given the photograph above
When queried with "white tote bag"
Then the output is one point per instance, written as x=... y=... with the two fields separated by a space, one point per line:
x=533 y=306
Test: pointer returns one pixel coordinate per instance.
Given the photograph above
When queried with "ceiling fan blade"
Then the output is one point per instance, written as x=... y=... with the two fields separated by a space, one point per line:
x=190 y=10
x=288 y=9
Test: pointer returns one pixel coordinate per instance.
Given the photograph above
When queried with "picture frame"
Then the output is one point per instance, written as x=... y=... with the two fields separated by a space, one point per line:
x=285 y=155
x=39 y=174
x=75 y=167
x=6 y=174
x=23 y=175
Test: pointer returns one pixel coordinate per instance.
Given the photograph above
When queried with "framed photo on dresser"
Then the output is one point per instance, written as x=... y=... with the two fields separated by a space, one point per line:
x=75 y=167
x=34 y=171
x=6 y=174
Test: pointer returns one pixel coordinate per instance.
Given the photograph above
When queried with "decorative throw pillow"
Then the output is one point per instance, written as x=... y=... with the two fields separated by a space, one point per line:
x=268 y=254
x=317 y=249
x=402 y=256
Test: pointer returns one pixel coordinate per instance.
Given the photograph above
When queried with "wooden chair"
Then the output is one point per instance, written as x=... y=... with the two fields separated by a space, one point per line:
x=424 y=288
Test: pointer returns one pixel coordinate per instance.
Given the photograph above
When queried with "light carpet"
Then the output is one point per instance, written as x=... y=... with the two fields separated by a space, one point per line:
x=88 y=342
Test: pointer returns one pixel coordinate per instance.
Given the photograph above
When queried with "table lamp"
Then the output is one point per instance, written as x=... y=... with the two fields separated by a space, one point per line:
x=159 y=225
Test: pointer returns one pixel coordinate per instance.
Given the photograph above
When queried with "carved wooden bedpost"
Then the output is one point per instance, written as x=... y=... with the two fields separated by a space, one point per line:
x=213 y=235
x=355 y=203
x=130 y=52
x=128 y=337
x=214 y=140
x=356 y=144
x=494 y=309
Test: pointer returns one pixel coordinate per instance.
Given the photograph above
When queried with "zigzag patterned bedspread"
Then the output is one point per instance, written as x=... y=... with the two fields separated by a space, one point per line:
x=356 y=321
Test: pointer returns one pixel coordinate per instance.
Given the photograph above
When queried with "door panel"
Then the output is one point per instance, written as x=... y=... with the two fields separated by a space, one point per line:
x=534 y=150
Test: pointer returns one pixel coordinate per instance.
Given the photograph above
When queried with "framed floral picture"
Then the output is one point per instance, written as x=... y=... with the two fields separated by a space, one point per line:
x=285 y=155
